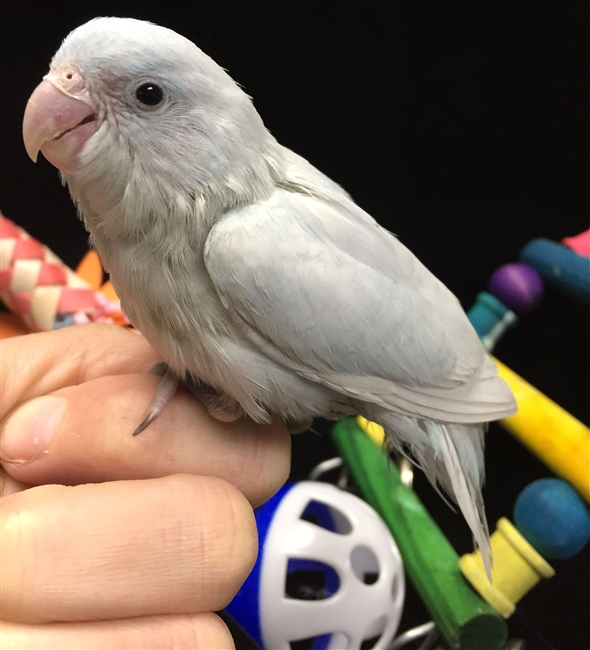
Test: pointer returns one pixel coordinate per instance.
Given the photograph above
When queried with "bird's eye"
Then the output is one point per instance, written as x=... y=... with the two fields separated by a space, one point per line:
x=149 y=94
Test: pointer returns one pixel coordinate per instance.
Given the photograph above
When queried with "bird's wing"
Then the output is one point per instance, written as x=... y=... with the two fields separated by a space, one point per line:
x=333 y=296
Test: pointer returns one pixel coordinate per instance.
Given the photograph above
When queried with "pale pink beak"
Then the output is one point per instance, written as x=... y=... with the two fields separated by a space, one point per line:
x=59 y=119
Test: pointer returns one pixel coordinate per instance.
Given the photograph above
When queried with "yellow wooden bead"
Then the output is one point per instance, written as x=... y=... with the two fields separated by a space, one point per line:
x=516 y=570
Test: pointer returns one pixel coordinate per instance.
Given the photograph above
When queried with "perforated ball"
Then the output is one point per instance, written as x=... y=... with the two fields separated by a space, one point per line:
x=518 y=286
x=328 y=575
x=553 y=517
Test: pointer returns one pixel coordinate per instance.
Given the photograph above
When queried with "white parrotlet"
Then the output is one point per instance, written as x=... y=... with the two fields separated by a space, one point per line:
x=248 y=269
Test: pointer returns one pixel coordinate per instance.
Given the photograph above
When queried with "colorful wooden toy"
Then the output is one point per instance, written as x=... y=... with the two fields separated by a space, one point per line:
x=552 y=516
x=465 y=620
x=580 y=244
x=491 y=319
x=518 y=286
x=560 y=266
x=516 y=570
x=552 y=521
x=557 y=438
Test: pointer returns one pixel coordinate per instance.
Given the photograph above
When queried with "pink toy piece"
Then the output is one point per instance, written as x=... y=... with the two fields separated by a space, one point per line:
x=28 y=249
x=21 y=304
x=73 y=300
x=8 y=229
x=51 y=274
x=580 y=244
x=5 y=278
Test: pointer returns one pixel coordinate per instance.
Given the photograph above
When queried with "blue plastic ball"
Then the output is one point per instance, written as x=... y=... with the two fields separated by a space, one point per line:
x=518 y=286
x=553 y=517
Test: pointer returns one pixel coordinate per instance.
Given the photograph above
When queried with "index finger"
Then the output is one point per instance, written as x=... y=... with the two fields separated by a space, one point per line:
x=88 y=437
x=38 y=364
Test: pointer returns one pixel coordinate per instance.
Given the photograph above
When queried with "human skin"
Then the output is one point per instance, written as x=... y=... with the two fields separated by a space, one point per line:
x=109 y=540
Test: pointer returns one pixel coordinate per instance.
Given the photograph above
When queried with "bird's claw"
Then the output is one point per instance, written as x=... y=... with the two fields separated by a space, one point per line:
x=166 y=389
x=152 y=415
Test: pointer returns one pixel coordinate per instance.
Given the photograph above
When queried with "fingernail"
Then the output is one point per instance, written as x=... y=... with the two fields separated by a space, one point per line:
x=28 y=431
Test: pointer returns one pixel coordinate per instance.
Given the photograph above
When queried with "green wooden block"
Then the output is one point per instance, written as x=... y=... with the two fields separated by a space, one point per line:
x=465 y=620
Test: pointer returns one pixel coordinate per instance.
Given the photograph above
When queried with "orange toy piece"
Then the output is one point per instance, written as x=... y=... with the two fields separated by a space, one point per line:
x=90 y=268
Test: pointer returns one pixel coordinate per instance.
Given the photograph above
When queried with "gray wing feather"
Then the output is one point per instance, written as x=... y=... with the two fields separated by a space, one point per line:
x=333 y=296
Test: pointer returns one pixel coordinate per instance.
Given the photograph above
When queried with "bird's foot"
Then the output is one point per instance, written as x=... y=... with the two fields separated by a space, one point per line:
x=164 y=394
x=220 y=405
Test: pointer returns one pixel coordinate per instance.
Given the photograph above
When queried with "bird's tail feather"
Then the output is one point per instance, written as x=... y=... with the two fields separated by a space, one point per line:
x=451 y=456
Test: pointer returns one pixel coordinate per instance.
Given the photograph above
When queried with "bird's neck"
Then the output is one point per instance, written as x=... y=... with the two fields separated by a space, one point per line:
x=132 y=209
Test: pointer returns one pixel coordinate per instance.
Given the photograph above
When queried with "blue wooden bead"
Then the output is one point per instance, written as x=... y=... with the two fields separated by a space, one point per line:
x=560 y=266
x=553 y=517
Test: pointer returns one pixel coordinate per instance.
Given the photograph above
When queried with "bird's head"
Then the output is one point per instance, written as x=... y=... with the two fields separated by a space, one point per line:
x=130 y=112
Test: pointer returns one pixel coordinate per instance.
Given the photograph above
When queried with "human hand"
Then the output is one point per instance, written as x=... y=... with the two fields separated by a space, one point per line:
x=110 y=541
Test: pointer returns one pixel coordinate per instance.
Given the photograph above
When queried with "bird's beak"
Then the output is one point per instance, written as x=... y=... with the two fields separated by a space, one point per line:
x=59 y=119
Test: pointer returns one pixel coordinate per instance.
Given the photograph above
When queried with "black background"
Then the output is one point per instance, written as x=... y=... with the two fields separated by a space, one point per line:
x=460 y=126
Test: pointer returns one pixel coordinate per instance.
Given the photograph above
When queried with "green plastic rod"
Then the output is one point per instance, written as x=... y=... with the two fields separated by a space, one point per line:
x=465 y=620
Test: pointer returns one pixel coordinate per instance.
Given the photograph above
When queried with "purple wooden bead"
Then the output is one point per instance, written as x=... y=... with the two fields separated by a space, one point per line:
x=518 y=286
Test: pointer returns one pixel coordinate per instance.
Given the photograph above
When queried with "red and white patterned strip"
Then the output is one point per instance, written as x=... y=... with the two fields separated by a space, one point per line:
x=38 y=286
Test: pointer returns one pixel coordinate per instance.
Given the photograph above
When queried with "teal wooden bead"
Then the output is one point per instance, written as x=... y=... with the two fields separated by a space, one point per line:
x=490 y=319
x=553 y=517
